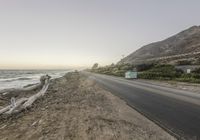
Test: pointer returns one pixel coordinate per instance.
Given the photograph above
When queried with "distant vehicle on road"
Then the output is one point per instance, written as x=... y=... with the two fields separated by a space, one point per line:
x=131 y=75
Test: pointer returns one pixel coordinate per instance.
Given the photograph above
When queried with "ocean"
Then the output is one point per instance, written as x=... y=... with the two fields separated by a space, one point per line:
x=21 y=78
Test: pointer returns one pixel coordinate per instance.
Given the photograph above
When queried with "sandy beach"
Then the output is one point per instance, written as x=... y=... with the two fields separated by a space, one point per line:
x=76 y=108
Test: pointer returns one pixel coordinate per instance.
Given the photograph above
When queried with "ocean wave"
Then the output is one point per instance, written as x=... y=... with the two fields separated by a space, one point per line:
x=21 y=78
x=15 y=79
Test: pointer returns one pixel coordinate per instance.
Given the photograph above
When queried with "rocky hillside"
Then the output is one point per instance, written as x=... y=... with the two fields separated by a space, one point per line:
x=187 y=41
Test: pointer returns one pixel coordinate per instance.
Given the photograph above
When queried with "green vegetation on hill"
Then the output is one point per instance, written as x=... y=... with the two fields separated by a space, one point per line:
x=150 y=71
x=161 y=72
x=116 y=70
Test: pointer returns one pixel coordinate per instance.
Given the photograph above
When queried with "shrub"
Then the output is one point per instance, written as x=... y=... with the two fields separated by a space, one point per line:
x=159 y=72
x=144 y=67
x=197 y=71
x=184 y=62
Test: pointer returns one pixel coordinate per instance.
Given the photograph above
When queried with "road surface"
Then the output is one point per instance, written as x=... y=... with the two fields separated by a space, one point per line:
x=177 y=111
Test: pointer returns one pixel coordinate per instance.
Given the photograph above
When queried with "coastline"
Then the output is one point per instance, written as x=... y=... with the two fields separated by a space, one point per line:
x=75 y=107
x=22 y=78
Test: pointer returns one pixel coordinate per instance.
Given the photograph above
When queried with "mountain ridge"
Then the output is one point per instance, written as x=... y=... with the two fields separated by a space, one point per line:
x=187 y=41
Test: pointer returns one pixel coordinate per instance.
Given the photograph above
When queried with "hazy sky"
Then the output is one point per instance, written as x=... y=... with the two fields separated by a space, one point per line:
x=67 y=33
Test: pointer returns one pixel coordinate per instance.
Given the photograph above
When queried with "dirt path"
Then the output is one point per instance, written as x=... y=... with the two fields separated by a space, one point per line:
x=75 y=108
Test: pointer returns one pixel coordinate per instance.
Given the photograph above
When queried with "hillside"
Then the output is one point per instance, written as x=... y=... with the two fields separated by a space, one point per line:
x=186 y=42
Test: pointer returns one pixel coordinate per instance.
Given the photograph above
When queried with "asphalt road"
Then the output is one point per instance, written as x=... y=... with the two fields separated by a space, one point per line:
x=177 y=111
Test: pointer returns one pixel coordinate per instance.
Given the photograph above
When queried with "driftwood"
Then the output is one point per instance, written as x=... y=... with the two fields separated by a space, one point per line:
x=9 y=109
x=32 y=99
x=7 y=91
x=24 y=103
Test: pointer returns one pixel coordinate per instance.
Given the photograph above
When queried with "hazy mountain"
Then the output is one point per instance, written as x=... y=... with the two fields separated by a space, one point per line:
x=187 y=41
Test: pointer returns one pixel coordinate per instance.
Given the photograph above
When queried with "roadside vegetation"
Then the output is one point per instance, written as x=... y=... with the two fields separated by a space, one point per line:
x=150 y=71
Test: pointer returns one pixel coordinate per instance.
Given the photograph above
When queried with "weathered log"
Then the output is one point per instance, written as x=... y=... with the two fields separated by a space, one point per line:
x=24 y=103
x=7 y=91
x=14 y=91
x=9 y=109
x=17 y=104
x=32 y=99
x=3 y=110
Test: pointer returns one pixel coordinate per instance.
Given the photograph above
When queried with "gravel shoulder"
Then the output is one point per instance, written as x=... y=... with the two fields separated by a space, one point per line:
x=76 y=108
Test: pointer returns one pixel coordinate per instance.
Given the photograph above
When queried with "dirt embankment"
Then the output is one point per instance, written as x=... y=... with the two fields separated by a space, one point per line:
x=76 y=108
